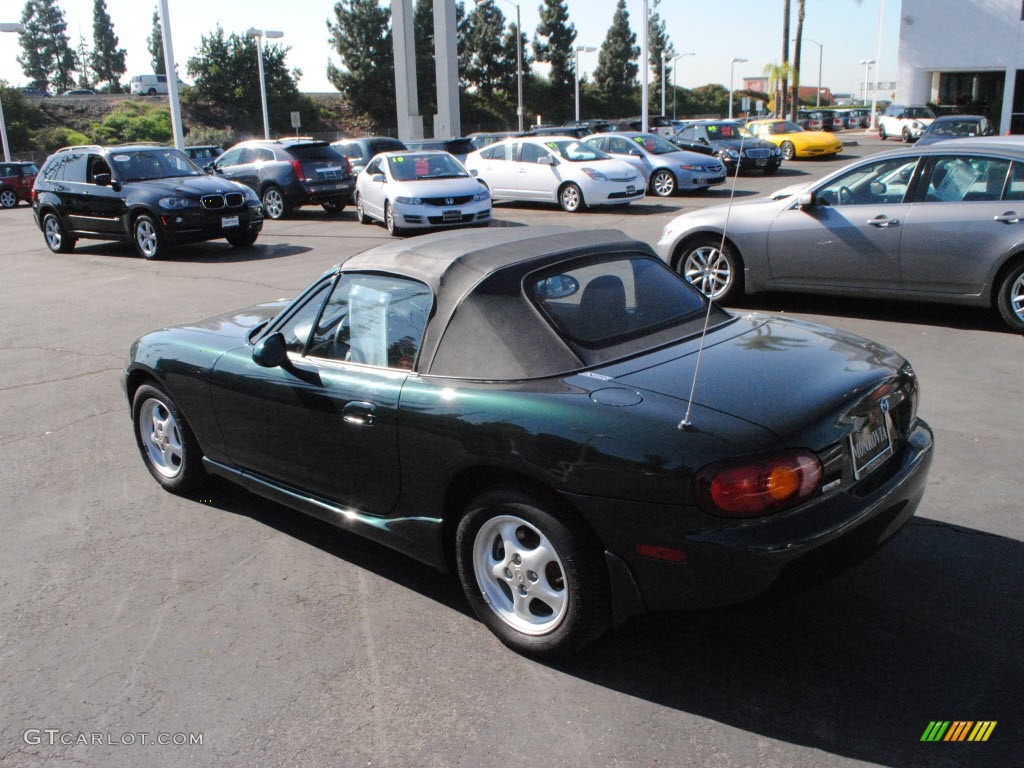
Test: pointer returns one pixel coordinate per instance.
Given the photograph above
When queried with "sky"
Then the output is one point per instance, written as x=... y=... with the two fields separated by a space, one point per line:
x=714 y=30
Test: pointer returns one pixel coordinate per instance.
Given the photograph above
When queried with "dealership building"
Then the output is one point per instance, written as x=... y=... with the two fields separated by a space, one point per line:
x=967 y=55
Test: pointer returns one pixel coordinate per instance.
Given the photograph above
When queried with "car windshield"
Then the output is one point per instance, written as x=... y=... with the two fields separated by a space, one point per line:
x=784 y=126
x=146 y=164
x=918 y=113
x=655 y=144
x=728 y=131
x=955 y=128
x=596 y=303
x=425 y=166
x=575 y=151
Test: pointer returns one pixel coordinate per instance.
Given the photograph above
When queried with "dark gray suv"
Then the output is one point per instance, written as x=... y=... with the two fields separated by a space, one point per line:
x=290 y=173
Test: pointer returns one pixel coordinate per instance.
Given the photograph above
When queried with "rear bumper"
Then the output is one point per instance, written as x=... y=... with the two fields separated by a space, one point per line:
x=726 y=565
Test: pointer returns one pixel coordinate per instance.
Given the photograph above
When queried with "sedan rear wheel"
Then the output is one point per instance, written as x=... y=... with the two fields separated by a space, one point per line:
x=712 y=268
x=57 y=238
x=788 y=150
x=534 y=578
x=663 y=183
x=1011 y=298
x=571 y=198
x=8 y=199
x=149 y=242
x=165 y=440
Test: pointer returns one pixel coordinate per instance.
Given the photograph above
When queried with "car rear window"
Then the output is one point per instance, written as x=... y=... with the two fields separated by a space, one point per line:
x=597 y=303
x=314 y=153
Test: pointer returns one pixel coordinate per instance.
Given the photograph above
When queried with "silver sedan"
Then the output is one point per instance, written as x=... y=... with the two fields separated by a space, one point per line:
x=666 y=168
x=942 y=223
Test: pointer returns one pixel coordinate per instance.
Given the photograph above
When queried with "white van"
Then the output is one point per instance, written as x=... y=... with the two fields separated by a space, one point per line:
x=149 y=84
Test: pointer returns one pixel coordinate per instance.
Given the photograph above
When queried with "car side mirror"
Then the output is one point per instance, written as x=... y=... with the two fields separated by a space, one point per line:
x=101 y=179
x=545 y=160
x=702 y=140
x=878 y=188
x=271 y=352
x=635 y=153
x=807 y=200
x=474 y=172
x=378 y=178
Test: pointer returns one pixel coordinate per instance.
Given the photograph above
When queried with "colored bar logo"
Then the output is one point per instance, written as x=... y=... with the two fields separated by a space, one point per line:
x=958 y=730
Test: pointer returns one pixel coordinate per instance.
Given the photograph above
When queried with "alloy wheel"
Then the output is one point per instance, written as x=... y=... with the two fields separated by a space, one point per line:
x=146 y=238
x=1017 y=297
x=8 y=199
x=273 y=203
x=663 y=184
x=161 y=438
x=708 y=270
x=52 y=232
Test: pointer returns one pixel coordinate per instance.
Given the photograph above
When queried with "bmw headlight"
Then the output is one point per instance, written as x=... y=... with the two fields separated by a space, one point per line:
x=732 y=153
x=177 y=203
x=482 y=195
x=251 y=197
x=409 y=200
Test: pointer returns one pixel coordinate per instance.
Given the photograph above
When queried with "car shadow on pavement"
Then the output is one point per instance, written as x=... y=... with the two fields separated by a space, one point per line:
x=214 y=252
x=939 y=315
x=931 y=628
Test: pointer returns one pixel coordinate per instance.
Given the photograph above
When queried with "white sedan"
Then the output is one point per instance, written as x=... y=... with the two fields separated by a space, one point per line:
x=555 y=169
x=420 y=190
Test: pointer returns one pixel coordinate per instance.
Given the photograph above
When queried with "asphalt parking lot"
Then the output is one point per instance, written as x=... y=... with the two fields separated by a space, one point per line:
x=127 y=613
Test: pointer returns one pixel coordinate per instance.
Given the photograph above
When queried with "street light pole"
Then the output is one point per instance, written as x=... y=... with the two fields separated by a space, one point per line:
x=580 y=49
x=16 y=28
x=173 y=101
x=674 y=70
x=732 y=66
x=665 y=56
x=259 y=34
x=867 y=69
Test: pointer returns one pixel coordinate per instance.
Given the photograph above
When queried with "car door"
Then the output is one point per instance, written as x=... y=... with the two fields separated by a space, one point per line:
x=850 y=236
x=72 y=171
x=236 y=164
x=327 y=423
x=372 y=190
x=630 y=152
x=496 y=167
x=536 y=176
x=962 y=222
x=102 y=206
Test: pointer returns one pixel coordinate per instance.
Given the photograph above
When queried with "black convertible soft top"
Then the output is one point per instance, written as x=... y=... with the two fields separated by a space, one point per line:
x=483 y=325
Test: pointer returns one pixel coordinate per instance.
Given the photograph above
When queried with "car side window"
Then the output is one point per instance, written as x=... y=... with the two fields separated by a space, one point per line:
x=297 y=329
x=375 y=320
x=878 y=183
x=532 y=153
x=74 y=166
x=620 y=146
x=966 y=179
x=97 y=164
x=1015 y=185
x=231 y=157
x=261 y=155
x=374 y=166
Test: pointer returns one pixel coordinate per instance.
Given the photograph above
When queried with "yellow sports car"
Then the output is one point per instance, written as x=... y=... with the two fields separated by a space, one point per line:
x=794 y=141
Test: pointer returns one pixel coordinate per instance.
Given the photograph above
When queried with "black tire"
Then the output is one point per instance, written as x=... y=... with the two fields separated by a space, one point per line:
x=148 y=237
x=244 y=238
x=663 y=183
x=710 y=267
x=907 y=138
x=361 y=216
x=569 y=606
x=389 y=220
x=169 y=449
x=333 y=209
x=56 y=237
x=881 y=133
x=274 y=205
x=151 y=92
x=771 y=169
x=8 y=198
x=788 y=150
x=570 y=197
x=1010 y=299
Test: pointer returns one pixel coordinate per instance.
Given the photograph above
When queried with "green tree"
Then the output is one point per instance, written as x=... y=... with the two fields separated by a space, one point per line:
x=484 y=55
x=658 y=45
x=507 y=74
x=108 y=61
x=615 y=74
x=47 y=57
x=361 y=36
x=155 y=43
x=226 y=72
x=778 y=76
x=20 y=116
x=553 y=44
x=83 y=57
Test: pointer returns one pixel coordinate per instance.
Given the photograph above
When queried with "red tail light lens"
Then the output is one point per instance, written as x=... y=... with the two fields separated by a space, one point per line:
x=759 y=485
x=298 y=170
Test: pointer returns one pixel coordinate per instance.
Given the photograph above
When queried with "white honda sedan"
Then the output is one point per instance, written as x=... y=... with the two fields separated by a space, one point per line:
x=420 y=190
x=557 y=169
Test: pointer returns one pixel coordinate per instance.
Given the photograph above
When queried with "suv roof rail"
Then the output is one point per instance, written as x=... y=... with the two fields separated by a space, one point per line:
x=79 y=146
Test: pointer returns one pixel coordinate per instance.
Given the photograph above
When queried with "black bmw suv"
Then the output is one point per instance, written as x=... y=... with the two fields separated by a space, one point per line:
x=153 y=196
x=289 y=173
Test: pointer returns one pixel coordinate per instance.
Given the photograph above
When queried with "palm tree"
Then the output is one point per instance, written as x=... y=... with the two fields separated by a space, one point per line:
x=780 y=96
x=796 y=59
x=778 y=76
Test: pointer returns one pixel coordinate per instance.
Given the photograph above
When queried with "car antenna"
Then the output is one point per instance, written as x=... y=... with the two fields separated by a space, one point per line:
x=686 y=423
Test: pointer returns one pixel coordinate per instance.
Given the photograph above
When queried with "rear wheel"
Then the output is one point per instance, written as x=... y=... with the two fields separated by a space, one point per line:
x=273 y=203
x=57 y=238
x=149 y=241
x=332 y=209
x=663 y=183
x=533 y=576
x=1010 y=299
x=571 y=198
x=712 y=268
x=788 y=150
x=8 y=199
x=168 y=447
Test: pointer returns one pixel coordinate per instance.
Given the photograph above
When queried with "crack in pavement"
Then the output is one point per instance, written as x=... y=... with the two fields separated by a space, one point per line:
x=58 y=381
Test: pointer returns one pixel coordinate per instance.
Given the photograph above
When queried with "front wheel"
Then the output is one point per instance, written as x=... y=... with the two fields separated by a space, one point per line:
x=882 y=135
x=663 y=183
x=712 y=268
x=571 y=198
x=361 y=216
x=389 y=220
x=788 y=150
x=534 y=578
x=243 y=239
x=771 y=169
x=168 y=447
x=1010 y=300
x=149 y=241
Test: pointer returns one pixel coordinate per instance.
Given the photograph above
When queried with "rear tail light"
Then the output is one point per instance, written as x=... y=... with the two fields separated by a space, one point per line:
x=348 y=165
x=758 y=485
x=298 y=170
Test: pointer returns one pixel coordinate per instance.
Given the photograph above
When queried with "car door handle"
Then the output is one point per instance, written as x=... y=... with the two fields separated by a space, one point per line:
x=1010 y=217
x=359 y=413
x=883 y=221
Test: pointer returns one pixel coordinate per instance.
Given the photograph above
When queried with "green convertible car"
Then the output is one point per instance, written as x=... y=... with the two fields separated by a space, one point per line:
x=524 y=407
